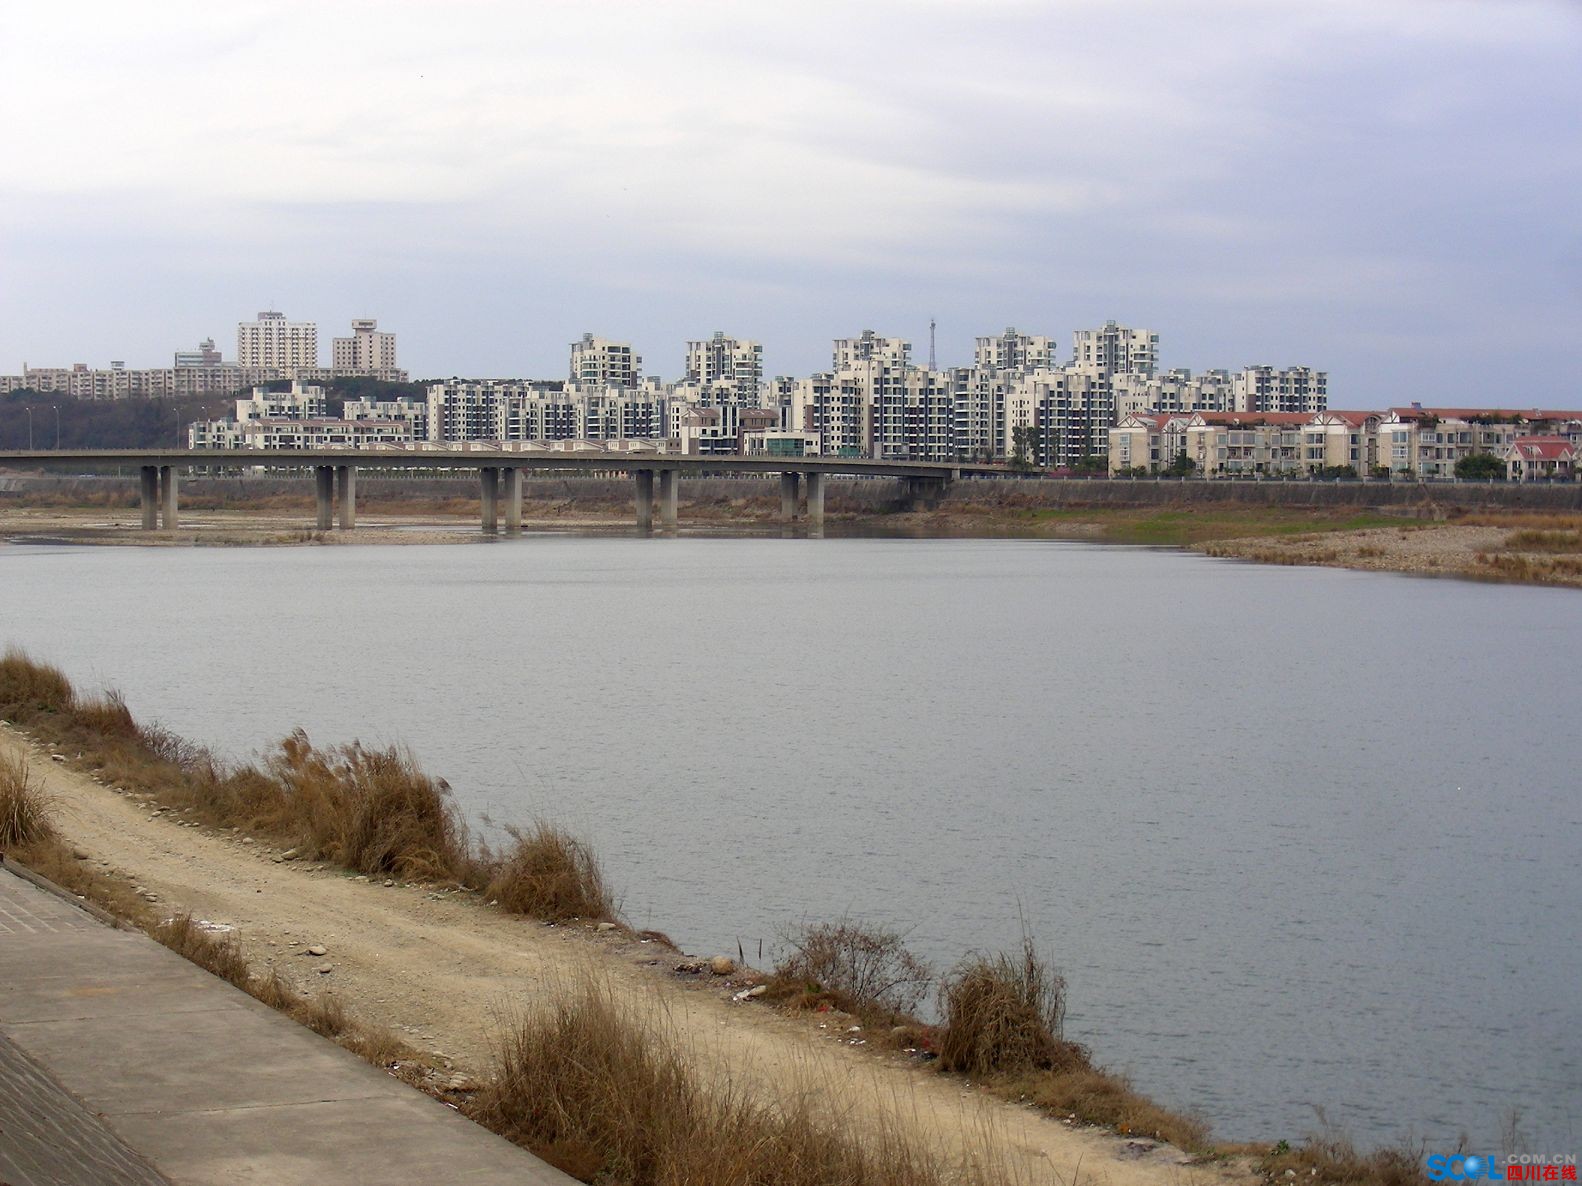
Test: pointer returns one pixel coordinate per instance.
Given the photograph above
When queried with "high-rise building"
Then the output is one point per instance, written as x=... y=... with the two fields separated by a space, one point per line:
x=272 y=341
x=1115 y=349
x=1294 y=389
x=869 y=347
x=1013 y=351
x=731 y=361
x=366 y=351
x=600 y=362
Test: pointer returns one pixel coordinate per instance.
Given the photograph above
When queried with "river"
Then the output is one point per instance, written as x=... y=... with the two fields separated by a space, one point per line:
x=1299 y=839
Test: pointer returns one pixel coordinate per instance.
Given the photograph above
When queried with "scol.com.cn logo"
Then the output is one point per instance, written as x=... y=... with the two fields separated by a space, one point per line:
x=1523 y=1167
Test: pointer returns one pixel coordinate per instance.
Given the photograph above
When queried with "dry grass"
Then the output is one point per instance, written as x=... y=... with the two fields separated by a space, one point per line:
x=1003 y=1014
x=374 y=811
x=26 y=812
x=1332 y=1160
x=858 y=968
x=1003 y=1026
x=549 y=874
x=371 y=810
x=1538 y=570
x=1536 y=540
x=606 y=1095
x=218 y=953
x=28 y=687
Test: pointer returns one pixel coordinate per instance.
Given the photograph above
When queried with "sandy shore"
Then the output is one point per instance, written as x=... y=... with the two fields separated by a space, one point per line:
x=440 y=969
x=1426 y=548
x=1437 y=549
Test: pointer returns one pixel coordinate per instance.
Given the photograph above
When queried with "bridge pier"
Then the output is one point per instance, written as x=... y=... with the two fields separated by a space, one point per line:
x=668 y=498
x=346 y=491
x=324 y=497
x=923 y=493
x=148 y=496
x=167 y=497
x=644 y=498
x=513 y=500
x=489 y=498
x=789 y=482
x=815 y=502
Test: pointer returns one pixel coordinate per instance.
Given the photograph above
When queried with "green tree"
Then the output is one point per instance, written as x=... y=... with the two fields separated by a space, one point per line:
x=1022 y=439
x=1181 y=466
x=1480 y=465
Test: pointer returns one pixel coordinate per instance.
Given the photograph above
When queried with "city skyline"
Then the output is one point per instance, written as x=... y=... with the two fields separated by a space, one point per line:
x=1377 y=189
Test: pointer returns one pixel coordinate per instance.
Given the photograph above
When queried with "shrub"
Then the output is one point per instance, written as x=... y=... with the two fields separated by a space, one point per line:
x=1003 y=1014
x=25 y=807
x=867 y=969
x=28 y=687
x=370 y=810
x=548 y=874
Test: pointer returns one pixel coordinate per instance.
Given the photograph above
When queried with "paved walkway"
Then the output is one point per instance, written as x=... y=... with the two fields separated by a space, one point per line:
x=121 y=1064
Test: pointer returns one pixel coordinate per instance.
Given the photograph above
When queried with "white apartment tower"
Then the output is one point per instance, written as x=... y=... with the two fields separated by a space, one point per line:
x=1013 y=351
x=869 y=347
x=272 y=341
x=734 y=362
x=599 y=362
x=1295 y=389
x=1115 y=349
x=366 y=350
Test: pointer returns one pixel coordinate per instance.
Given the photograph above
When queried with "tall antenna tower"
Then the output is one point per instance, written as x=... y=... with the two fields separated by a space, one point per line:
x=932 y=364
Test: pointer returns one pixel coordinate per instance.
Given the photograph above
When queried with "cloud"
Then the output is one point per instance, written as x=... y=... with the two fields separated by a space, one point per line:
x=1199 y=159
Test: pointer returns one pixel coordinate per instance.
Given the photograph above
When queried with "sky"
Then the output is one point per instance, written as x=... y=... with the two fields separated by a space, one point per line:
x=1390 y=190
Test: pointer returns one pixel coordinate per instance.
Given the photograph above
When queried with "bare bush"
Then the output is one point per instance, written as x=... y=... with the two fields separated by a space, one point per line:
x=1004 y=1013
x=867 y=968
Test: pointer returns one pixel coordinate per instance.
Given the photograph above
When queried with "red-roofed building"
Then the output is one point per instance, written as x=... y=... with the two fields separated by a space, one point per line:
x=1428 y=441
x=1540 y=459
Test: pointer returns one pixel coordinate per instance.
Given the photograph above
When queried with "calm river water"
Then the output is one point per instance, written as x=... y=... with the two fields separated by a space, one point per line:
x=1296 y=837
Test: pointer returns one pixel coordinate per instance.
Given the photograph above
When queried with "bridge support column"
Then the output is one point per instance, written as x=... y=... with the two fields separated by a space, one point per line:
x=815 y=502
x=346 y=491
x=513 y=500
x=789 y=481
x=148 y=496
x=489 y=499
x=644 y=498
x=324 y=497
x=668 y=500
x=167 y=497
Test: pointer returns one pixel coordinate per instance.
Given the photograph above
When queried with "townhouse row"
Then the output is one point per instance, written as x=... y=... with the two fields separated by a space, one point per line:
x=1530 y=444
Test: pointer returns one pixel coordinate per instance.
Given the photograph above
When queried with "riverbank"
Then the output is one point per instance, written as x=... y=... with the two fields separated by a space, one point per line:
x=1525 y=547
x=443 y=972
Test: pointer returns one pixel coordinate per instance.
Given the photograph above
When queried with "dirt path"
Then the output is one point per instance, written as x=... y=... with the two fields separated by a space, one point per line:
x=440 y=968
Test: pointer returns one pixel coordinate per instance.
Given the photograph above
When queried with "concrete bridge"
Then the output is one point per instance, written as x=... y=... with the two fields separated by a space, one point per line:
x=499 y=476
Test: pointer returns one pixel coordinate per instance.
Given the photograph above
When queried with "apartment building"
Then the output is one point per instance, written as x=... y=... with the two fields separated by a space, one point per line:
x=1177 y=390
x=726 y=370
x=273 y=341
x=723 y=429
x=913 y=419
x=1541 y=459
x=1231 y=444
x=1148 y=440
x=601 y=362
x=369 y=350
x=1014 y=351
x=1334 y=441
x=979 y=403
x=205 y=356
x=1428 y=442
x=1293 y=389
x=1115 y=349
x=869 y=349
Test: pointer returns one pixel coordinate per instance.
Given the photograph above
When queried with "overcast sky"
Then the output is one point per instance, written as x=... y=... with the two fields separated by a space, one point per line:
x=1388 y=189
